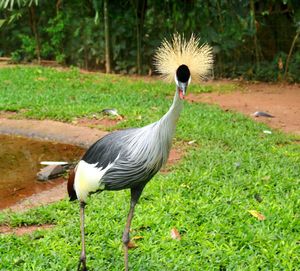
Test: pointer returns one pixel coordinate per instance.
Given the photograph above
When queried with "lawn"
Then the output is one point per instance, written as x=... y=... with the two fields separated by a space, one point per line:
x=232 y=168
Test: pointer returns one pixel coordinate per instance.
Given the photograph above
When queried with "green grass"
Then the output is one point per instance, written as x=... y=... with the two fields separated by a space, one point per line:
x=206 y=196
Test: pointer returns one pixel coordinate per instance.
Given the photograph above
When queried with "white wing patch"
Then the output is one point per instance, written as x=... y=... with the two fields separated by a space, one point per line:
x=88 y=178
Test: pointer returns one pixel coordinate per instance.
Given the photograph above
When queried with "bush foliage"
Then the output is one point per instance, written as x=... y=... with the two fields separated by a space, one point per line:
x=256 y=40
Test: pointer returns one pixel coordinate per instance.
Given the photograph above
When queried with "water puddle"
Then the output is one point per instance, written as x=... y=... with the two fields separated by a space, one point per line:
x=20 y=161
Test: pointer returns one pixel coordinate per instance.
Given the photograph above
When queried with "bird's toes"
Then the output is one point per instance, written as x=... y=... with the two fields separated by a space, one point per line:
x=83 y=268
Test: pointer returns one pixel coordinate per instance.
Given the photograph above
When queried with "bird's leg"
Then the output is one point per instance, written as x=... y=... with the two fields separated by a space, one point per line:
x=82 y=259
x=126 y=237
x=135 y=195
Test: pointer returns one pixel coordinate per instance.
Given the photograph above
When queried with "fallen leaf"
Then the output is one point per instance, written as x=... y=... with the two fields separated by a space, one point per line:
x=256 y=214
x=41 y=79
x=132 y=245
x=175 y=234
x=192 y=142
x=266 y=178
x=138 y=237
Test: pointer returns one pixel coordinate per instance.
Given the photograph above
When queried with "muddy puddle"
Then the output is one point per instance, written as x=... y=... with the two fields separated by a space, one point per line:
x=20 y=161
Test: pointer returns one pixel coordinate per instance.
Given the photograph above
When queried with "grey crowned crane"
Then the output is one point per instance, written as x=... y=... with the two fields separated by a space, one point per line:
x=128 y=159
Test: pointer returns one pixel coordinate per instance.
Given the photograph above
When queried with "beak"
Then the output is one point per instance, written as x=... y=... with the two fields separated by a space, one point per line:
x=182 y=89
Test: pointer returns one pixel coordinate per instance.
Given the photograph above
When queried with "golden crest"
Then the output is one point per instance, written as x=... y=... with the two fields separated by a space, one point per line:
x=170 y=55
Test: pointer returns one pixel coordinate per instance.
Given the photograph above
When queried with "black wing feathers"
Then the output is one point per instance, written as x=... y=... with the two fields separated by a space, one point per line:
x=106 y=150
x=124 y=173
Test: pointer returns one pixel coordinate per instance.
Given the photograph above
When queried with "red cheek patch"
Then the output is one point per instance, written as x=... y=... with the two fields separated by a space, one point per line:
x=181 y=94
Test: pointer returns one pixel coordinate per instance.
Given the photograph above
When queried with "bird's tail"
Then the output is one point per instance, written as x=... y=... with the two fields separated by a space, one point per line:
x=71 y=190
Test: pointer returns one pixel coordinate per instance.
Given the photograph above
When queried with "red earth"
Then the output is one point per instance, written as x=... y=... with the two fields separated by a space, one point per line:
x=279 y=100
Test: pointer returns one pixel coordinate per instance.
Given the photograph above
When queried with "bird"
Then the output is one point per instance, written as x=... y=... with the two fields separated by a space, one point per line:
x=129 y=158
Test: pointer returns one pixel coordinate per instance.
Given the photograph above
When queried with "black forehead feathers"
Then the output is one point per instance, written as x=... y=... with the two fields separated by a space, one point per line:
x=183 y=73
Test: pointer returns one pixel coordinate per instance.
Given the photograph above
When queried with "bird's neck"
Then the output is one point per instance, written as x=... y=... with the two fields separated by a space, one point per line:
x=167 y=125
x=170 y=119
x=155 y=139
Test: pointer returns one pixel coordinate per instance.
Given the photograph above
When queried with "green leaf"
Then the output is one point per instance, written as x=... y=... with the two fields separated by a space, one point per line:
x=2 y=22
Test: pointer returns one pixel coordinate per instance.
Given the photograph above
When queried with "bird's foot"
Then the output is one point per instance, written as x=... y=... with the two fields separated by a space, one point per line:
x=84 y=268
x=82 y=262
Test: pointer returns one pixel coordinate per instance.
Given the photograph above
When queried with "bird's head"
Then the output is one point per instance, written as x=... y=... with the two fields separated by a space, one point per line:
x=183 y=60
x=182 y=79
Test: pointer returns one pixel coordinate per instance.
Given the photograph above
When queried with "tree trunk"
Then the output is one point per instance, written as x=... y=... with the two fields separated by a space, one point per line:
x=138 y=47
x=253 y=25
x=107 y=37
x=140 y=7
x=35 y=33
x=58 y=5
x=219 y=56
x=290 y=54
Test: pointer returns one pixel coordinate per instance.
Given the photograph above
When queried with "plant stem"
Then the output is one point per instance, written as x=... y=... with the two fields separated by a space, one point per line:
x=253 y=24
x=107 y=38
x=290 y=55
x=35 y=33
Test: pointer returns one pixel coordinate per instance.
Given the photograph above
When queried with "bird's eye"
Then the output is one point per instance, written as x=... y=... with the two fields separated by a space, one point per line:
x=183 y=73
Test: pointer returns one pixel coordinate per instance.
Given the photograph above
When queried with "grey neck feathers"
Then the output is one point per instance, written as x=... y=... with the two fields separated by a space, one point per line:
x=152 y=143
x=166 y=126
x=170 y=119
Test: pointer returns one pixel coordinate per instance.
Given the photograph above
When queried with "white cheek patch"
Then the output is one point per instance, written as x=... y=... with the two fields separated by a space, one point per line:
x=176 y=81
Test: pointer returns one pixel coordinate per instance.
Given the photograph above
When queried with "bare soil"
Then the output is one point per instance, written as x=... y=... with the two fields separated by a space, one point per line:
x=279 y=100
x=45 y=197
x=49 y=130
x=96 y=123
x=19 y=231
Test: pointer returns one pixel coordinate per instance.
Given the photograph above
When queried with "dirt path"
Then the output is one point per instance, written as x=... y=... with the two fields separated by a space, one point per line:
x=280 y=100
x=51 y=130
x=19 y=231
x=51 y=195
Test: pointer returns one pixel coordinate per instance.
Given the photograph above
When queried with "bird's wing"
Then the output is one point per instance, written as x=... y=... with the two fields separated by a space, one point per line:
x=128 y=174
x=117 y=169
x=107 y=149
